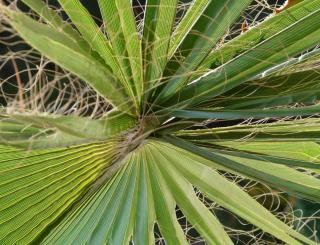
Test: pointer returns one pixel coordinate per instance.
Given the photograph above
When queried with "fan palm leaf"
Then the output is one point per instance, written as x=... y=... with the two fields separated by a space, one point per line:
x=124 y=175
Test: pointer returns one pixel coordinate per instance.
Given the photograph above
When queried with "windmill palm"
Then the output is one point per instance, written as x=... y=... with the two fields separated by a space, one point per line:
x=70 y=179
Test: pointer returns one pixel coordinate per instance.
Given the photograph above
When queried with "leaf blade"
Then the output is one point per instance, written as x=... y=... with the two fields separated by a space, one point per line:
x=210 y=27
x=35 y=194
x=254 y=61
x=228 y=194
x=66 y=53
x=273 y=174
x=208 y=225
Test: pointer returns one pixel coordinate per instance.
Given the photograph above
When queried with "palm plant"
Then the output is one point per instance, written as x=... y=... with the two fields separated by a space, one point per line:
x=111 y=177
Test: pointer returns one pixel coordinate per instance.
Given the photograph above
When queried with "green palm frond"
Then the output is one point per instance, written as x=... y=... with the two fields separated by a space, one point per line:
x=188 y=106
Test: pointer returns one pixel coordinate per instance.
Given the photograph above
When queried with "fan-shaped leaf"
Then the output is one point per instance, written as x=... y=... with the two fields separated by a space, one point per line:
x=36 y=188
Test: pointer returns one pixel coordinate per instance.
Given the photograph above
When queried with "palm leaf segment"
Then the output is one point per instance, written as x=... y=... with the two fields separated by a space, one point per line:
x=76 y=180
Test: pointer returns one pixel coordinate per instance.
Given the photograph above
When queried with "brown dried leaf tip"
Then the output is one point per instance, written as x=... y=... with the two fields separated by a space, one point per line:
x=286 y=5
